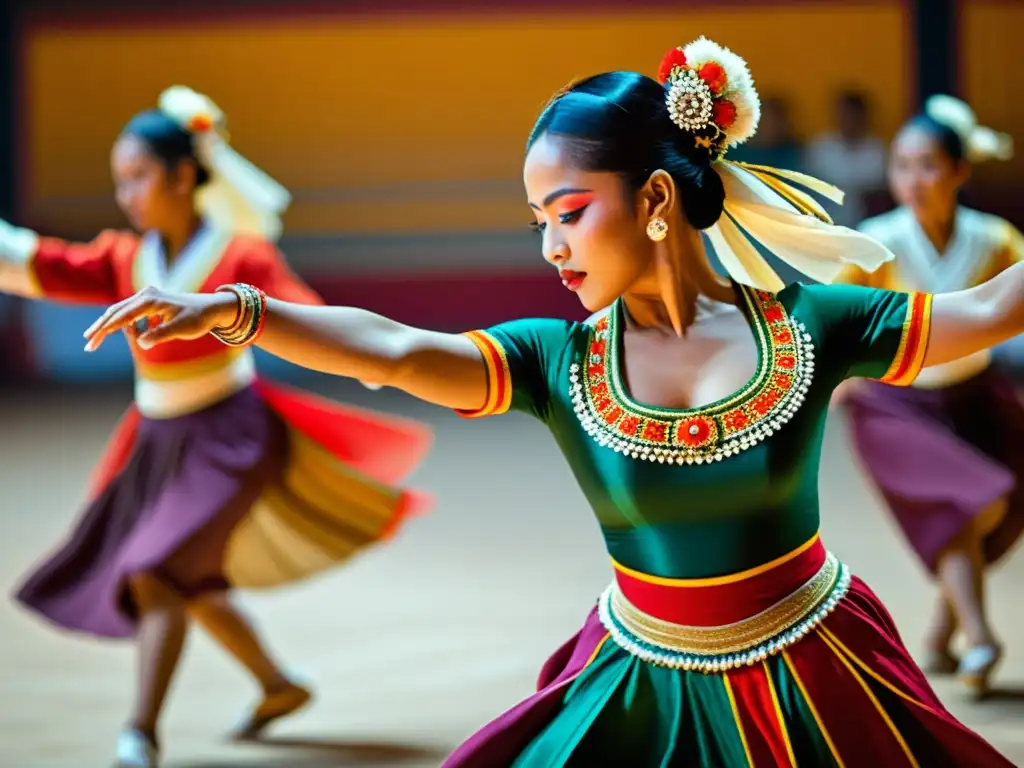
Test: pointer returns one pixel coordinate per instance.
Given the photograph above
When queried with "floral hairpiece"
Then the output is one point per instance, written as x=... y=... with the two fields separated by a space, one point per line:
x=710 y=95
x=193 y=111
x=237 y=197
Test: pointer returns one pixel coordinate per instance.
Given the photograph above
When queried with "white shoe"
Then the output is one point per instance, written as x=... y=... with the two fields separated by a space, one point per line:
x=135 y=750
x=976 y=667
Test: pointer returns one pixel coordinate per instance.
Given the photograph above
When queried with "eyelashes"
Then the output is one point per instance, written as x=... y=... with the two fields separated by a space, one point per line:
x=565 y=218
x=571 y=216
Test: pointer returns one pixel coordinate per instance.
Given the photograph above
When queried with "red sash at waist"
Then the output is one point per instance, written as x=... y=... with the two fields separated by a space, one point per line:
x=722 y=600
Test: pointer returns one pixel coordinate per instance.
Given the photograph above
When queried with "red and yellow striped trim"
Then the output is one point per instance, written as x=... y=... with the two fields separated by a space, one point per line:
x=845 y=698
x=499 y=376
x=913 y=343
x=737 y=719
x=835 y=643
x=897 y=736
x=186 y=369
x=760 y=721
x=788 y=661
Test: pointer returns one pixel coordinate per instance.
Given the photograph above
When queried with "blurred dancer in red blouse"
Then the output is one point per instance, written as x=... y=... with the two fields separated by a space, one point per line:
x=215 y=478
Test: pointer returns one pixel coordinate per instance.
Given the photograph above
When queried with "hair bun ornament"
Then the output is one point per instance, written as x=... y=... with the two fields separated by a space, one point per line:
x=238 y=197
x=194 y=112
x=980 y=143
x=711 y=95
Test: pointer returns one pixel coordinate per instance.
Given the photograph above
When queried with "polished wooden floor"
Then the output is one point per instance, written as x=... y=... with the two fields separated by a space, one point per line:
x=413 y=645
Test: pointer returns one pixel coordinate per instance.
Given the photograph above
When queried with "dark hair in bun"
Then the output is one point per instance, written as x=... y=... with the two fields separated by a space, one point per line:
x=618 y=122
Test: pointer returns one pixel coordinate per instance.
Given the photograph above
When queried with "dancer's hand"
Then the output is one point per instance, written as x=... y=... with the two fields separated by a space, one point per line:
x=177 y=315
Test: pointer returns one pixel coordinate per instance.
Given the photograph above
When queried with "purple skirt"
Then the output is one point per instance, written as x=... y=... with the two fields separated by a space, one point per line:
x=236 y=495
x=941 y=457
x=170 y=512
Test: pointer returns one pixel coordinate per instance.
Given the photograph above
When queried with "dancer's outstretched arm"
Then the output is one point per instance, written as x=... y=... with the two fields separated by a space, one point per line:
x=440 y=368
x=978 y=318
x=447 y=368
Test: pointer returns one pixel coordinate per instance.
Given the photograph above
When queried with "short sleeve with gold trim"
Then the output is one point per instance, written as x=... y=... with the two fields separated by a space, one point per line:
x=523 y=359
x=869 y=332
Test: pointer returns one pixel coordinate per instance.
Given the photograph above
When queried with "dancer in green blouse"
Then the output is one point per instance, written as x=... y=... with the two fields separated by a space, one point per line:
x=691 y=410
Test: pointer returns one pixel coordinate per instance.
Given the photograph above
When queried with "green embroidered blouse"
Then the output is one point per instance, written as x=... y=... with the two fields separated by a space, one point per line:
x=722 y=488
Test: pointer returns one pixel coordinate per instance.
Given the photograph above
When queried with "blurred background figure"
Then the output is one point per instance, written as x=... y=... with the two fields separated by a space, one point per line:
x=850 y=156
x=775 y=143
x=946 y=453
x=214 y=479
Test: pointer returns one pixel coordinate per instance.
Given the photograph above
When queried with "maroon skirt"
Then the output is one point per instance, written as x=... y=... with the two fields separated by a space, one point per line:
x=846 y=694
x=941 y=457
x=231 y=496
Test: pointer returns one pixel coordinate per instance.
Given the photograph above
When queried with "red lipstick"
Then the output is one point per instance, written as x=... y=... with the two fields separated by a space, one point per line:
x=572 y=280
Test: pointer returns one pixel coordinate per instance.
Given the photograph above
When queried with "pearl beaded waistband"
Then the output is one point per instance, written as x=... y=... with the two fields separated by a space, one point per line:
x=716 y=649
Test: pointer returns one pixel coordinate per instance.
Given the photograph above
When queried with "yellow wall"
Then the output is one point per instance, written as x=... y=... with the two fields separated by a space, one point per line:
x=403 y=103
x=990 y=60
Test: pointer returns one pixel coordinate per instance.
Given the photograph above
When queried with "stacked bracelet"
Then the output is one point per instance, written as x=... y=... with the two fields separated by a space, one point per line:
x=252 y=310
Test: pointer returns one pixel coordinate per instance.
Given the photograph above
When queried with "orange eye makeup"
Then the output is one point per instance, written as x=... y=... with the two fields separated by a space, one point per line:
x=574 y=202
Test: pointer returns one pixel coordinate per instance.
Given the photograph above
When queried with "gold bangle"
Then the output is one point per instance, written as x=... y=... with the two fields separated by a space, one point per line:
x=244 y=308
x=232 y=333
x=248 y=333
x=249 y=321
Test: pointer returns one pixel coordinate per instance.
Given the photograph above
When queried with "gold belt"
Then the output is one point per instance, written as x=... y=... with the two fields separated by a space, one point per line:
x=712 y=649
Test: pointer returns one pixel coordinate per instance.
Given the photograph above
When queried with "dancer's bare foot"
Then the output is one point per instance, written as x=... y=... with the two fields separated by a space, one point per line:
x=276 y=704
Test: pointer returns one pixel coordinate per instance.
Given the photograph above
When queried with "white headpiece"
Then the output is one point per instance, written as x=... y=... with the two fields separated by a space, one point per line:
x=980 y=143
x=239 y=197
x=711 y=96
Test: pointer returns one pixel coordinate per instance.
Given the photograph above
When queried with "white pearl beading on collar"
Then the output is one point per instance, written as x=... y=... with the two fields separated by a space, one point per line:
x=738 y=441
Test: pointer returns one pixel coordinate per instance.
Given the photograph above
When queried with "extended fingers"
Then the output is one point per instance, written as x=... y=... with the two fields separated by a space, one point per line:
x=124 y=314
x=146 y=294
x=107 y=314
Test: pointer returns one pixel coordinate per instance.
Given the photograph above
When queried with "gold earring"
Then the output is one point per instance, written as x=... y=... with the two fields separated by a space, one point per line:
x=657 y=229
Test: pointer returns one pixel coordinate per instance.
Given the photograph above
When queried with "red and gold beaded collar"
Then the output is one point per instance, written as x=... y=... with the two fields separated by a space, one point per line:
x=710 y=433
